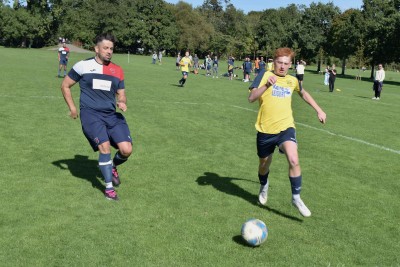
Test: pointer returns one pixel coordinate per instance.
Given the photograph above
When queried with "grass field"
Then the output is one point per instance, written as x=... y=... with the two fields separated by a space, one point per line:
x=192 y=180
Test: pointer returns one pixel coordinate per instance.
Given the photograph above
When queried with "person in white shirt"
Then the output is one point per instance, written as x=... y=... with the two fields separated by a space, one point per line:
x=378 y=82
x=300 y=71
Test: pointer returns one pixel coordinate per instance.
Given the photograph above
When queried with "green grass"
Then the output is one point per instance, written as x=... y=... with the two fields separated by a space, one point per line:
x=192 y=179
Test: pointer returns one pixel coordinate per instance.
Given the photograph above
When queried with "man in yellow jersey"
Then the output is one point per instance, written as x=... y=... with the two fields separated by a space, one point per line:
x=275 y=123
x=185 y=63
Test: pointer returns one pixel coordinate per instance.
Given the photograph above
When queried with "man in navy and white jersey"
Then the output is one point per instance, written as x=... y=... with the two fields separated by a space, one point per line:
x=63 y=54
x=101 y=83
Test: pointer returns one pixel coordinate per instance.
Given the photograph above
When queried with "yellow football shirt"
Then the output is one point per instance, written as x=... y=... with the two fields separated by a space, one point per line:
x=185 y=62
x=275 y=113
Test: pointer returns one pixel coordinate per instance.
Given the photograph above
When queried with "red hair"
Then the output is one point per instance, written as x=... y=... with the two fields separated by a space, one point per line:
x=284 y=52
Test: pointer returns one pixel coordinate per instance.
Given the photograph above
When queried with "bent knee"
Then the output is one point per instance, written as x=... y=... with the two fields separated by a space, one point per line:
x=125 y=150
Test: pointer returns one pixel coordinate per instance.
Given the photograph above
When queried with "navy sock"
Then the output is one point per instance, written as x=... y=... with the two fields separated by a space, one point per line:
x=119 y=159
x=263 y=178
x=295 y=182
x=184 y=80
x=105 y=165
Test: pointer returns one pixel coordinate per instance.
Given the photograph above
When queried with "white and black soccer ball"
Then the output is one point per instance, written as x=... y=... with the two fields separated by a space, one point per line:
x=254 y=232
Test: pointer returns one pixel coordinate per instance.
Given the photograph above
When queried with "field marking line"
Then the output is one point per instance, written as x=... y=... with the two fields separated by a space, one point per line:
x=335 y=134
x=350 y=138
x=304 y=125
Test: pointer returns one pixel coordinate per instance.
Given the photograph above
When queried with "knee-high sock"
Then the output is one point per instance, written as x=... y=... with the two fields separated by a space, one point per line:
x=119 y=159
x=263 y=178
x=105 y=165
x=295 y=182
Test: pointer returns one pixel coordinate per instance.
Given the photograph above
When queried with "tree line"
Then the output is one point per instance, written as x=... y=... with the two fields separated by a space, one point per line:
x=320 y=32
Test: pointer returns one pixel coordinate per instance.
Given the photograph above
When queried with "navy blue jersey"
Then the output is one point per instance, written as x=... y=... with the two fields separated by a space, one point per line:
x=63 y=53
x=262 y=65
x=215 y=62
x=247 y=66
x=99 y=84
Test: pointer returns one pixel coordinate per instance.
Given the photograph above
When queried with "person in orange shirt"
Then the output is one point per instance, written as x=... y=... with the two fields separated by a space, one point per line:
x=256 y=66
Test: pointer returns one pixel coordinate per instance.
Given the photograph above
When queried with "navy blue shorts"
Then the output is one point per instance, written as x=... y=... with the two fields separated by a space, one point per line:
x=185 y=73
x=102 y=127
x=266 y=143
x=63 y=61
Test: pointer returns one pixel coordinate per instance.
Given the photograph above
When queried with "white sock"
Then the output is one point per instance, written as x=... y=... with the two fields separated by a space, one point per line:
x=296 y=197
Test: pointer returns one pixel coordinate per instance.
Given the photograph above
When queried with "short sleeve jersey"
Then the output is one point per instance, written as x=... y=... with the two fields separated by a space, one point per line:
x=63 y=52
x=185 y=61
x=231 y=62
x=247 y=66
x=275 y=112
x=99 y=84
x=262 y=65
x=300 y=69
x=215 y=62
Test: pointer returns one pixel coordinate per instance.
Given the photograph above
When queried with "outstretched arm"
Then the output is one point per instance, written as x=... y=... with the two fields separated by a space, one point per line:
x=310 y=100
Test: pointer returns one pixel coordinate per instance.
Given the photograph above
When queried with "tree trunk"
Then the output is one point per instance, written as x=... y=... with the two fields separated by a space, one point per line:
x=372 y=71
x=343 y=65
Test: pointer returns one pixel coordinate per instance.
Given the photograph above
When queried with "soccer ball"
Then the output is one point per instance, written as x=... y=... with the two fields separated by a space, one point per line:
x=254 y=232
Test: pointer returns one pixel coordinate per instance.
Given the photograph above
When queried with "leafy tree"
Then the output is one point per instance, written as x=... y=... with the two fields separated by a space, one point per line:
x=78 y=22
x=194 y=30
x=21 y=28
x=275 y=30
x=312 y=32
x=381 y=17
x=159 y=29
x=346 y=34
x=213 y=11
x=236 y=31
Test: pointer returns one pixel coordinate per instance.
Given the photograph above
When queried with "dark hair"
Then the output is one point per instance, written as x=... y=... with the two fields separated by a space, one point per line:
x=104 y=36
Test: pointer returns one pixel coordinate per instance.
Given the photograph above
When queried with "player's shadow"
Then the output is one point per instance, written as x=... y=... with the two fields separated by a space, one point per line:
x=82 y=167
x=366 y=97
x=227 y=186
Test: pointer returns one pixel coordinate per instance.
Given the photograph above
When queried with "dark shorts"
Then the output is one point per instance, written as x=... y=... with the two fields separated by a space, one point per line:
x=102 y=127
x=300 y=77
x=185 y=73
x=63 y=61
x=378 y=86
x=266 y=143
x=247 y=72
x=177 y=64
